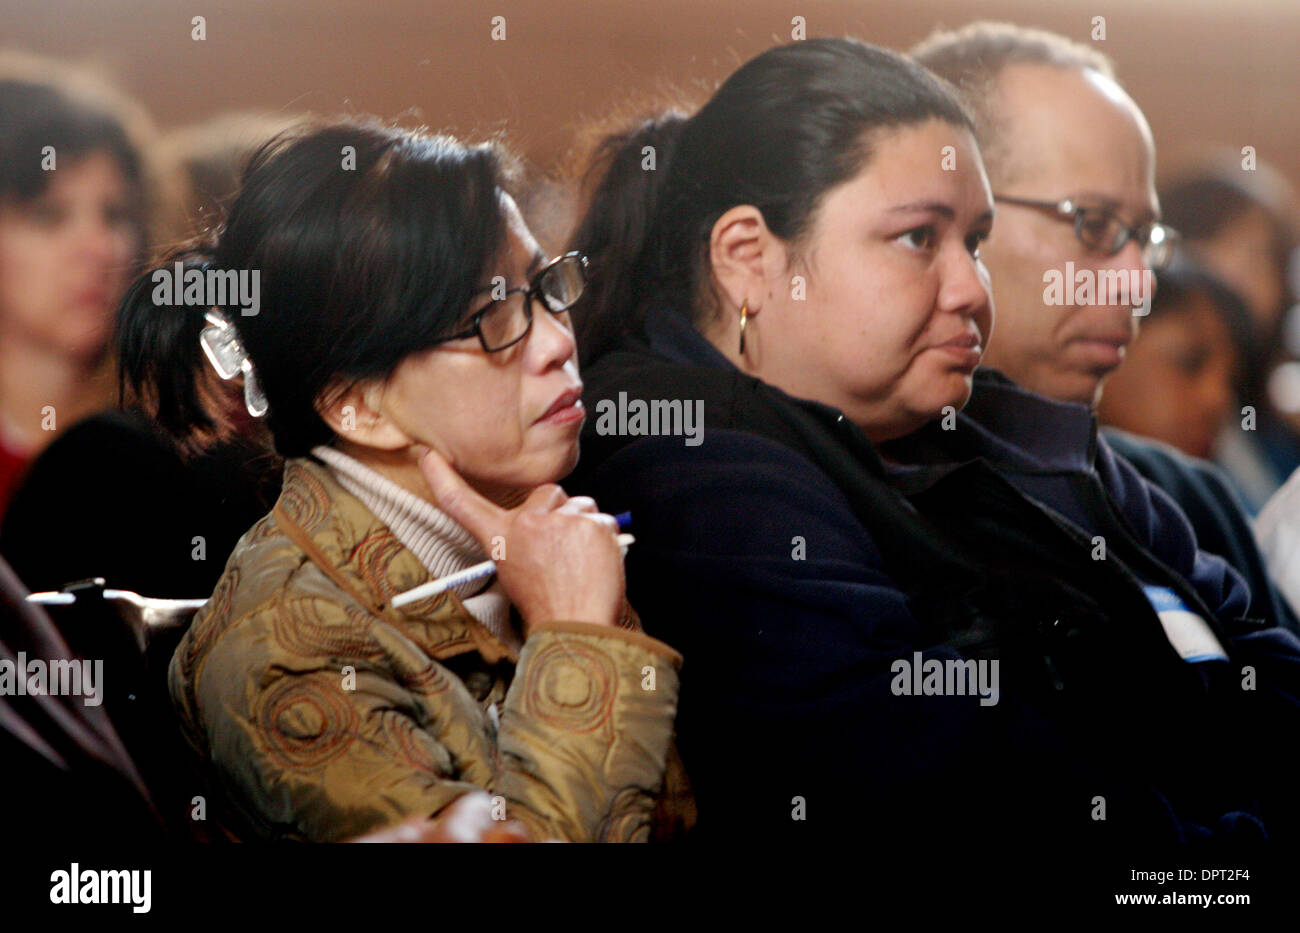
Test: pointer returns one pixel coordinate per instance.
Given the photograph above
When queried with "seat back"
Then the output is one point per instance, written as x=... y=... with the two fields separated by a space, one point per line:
x=135 y=637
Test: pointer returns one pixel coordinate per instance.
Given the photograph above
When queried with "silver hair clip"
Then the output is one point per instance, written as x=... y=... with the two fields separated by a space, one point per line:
x=227 y=355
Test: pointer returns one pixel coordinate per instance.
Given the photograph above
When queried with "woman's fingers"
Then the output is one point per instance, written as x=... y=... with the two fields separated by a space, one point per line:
x=486 y=520
x=585 y=507
x=580 y=504
x=608 y=522
x=545 y=498
x=481 y=518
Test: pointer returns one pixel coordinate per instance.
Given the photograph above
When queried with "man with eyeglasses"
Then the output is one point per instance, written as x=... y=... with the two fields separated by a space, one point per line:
x=1072 y=163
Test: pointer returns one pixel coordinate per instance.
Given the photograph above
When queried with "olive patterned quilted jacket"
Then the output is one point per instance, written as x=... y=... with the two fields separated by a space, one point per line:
x=319 y=712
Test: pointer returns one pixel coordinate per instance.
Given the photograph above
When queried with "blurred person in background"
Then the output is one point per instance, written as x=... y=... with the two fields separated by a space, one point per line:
x=1178 y=383
x=1239 y=224
x=1072 y=162
x=65 y=523
x=210 y=156
x=76 y=194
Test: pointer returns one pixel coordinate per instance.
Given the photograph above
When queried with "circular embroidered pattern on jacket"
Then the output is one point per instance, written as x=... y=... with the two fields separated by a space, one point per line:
x=304 y=501
x=629 y=817
x=570 y=686
x=430 y=681
x=265 y=529
x=298 y=626
x=372 y=557
x=414 y=746
x=304 y=724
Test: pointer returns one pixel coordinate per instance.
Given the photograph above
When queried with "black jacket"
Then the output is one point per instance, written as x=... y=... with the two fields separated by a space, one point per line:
x=794 y=567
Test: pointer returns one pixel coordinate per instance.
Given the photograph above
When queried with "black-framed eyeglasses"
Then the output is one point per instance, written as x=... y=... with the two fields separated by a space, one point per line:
x=1101 y=229
x=506 y=320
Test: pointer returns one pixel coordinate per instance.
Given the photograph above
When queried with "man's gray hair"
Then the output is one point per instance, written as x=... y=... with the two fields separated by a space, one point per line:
x=972 y=58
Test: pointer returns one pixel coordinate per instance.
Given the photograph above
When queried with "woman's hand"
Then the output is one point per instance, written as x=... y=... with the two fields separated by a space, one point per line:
x=560 y=556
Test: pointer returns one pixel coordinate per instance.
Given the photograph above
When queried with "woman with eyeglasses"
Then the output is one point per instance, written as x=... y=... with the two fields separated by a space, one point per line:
x=389 y=315
x=918 y=601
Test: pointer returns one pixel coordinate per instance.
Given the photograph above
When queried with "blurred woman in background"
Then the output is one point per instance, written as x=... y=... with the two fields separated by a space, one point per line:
x=200 y=496
x=1179 y=380
x=75 y=202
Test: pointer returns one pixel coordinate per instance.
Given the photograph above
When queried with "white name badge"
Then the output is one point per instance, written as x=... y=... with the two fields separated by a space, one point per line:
x=1190 y=635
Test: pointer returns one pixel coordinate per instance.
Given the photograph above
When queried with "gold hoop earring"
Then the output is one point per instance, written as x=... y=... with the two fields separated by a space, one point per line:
x=744 y=319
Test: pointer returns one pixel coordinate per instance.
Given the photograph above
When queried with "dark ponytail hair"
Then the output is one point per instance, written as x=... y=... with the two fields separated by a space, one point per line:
x=369 y=242
x=788 y=126
x=159 y=355
x=623 y=201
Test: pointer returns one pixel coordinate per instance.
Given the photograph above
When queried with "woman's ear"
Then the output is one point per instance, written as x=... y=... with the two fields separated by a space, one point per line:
x=354 y=411
x=741 y=251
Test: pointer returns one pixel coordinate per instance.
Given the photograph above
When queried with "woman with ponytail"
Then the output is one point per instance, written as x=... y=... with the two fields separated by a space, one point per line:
x=377 y=301
x=893 y=608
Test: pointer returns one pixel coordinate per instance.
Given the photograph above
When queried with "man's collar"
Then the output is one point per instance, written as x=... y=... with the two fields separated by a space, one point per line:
x=1030 y=431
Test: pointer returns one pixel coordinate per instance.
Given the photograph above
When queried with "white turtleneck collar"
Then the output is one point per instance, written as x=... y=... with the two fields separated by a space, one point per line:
x=441 y=544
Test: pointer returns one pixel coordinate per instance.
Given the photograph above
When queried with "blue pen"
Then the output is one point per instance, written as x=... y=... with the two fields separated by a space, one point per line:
x=484 y=570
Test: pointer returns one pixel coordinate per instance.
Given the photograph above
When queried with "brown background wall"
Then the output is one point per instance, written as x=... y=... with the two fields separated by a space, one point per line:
x=1206 y=71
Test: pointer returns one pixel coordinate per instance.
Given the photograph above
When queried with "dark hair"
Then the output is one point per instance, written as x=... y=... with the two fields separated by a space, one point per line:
x=785 y=128
x=369 y=242
x=45 y=105
x=1183 y=279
